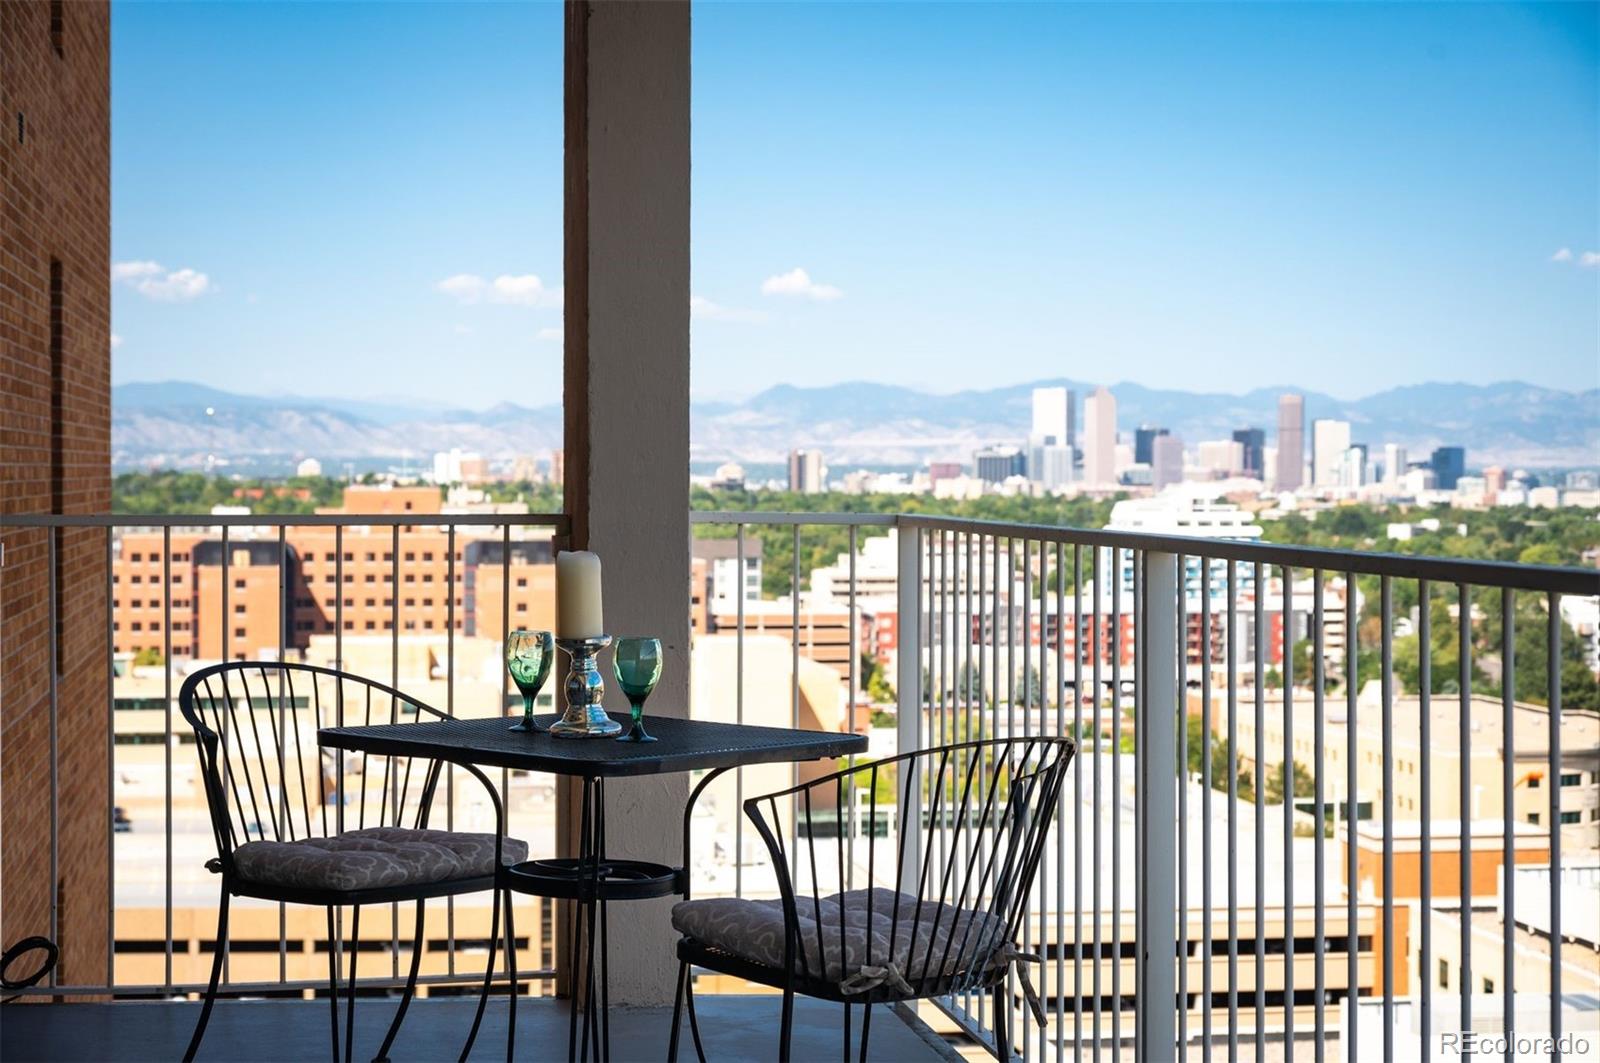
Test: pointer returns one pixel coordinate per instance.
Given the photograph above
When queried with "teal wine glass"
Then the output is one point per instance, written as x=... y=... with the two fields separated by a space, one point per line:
x=638 y=666
x=529 y=655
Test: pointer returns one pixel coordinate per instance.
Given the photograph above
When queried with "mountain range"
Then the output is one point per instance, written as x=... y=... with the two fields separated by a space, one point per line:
x=184 y=425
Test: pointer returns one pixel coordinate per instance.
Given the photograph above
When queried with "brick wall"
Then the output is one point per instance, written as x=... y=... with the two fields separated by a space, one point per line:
x=55 y=414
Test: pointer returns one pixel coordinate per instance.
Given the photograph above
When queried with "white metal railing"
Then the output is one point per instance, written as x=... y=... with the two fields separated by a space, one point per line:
x=1280 y=905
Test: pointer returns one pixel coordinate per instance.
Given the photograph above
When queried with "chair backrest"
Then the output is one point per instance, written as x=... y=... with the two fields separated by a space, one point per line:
x=948 y=841
x=265 y=776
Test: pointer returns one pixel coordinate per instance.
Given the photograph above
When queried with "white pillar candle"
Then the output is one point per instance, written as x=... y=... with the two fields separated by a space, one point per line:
x=578 y=595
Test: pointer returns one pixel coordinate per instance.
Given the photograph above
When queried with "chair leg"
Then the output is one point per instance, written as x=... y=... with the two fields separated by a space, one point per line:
x=866 y=1029
x=333 y=983
x=216 y=975
x=694 y=1020
x=350 y=988
x=786 y=1029
x=488 y=977
x=677 y=1012
x=411 y=988
x=511 y=975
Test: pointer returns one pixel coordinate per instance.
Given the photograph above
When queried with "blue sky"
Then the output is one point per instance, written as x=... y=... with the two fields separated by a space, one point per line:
x=354 y=200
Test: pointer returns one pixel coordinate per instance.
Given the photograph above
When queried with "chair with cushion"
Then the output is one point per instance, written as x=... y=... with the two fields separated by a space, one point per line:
x=301 y=825
x=930 y=907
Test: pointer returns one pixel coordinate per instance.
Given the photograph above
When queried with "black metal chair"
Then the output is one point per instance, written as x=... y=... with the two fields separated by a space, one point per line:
x=973 y=818
x=291 y=825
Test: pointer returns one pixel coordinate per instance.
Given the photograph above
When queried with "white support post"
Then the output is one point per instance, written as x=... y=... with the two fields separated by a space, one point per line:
x=1157 y=752
x=908 y=686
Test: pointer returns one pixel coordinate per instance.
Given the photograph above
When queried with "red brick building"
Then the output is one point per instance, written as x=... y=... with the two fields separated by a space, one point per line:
x=55 y=457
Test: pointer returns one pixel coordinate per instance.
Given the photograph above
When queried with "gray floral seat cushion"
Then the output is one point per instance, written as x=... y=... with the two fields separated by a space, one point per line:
x=852 y=939
x=374 y=858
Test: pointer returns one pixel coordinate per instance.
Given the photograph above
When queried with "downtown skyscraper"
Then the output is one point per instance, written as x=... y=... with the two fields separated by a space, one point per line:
x=1291 y=442
x=1100 y=439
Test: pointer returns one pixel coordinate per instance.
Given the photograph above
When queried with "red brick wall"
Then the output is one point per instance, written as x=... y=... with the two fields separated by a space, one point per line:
x=55 y=204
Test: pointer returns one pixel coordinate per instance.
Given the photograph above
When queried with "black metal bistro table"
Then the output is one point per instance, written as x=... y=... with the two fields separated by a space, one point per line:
x=593 y=878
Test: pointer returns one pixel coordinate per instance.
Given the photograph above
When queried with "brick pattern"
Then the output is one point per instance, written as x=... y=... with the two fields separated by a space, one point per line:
x=55 y=203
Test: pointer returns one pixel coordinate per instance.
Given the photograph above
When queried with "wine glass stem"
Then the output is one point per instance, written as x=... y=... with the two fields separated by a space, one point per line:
x=527 y=708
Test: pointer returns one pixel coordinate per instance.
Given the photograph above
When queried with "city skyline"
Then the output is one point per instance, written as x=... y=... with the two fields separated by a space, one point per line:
x=1239 y=168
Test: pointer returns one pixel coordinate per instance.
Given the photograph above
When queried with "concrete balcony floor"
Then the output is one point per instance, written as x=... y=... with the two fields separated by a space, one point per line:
x=734 y=1028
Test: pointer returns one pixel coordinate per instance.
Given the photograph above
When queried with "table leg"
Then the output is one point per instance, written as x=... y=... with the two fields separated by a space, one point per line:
x=605 y=949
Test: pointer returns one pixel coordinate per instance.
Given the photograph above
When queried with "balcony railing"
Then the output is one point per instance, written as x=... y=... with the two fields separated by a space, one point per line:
x=1310 y=909
x=193 y=588
x=1307 y=906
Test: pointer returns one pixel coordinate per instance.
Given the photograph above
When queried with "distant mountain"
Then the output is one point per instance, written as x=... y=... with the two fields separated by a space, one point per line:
x=169 y=424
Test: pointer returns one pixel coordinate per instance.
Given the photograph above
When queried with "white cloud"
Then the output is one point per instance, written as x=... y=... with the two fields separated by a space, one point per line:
x=1589 y=259
x=701 y=307
x=1563 y=255
x=552 y=334
x=798 y=282
x=116 y=341
x=153 y=281
x=523 y=290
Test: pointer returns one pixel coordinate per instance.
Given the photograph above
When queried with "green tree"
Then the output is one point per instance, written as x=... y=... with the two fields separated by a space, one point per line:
x=1304 y=785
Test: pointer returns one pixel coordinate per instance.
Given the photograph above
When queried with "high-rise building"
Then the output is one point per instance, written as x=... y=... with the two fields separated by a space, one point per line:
x=1394 y=463
x=1144 y=438
x=1220 y=456
x=1166 y=460
x=1100 y=438
x=55 y=405
x=943 y=470
x=1049 y=447
x=1291 y=442
x=1330 y=439
x=1254 y=443
x=806 y=472
x=1355 y=465
x=1448 y=464
x=1051 y=416
x=998 y=464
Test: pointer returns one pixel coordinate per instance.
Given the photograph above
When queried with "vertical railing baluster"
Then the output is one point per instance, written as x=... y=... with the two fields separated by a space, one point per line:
x=111 y=770
x=1261 y=811
x=1553 y=686
x=166 y=704
x=450 y=710
x=1061 y=834
x=1425 y=811
x=1386 y=606
x=1319 y=857
x=1077 y=802
x=285 y=824
x=855 y=655
x=1233 y=814
x=1288 y=810
x=1099 y=593
x=394 y=682
x=53 y=608
x=1508 y=698
x=1352 y=940
x=1116 y=802
x=738 y=692
x=1464 y=798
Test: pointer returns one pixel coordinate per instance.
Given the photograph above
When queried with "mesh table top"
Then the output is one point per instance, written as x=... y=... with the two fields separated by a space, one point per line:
x=681 y=745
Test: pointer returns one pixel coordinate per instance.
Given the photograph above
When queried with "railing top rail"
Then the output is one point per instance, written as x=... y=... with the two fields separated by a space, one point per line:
x=557 y=521
x=1547 y=578
x=785 y=519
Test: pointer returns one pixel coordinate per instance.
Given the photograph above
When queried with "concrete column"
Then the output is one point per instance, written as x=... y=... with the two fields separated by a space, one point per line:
x=626 y=398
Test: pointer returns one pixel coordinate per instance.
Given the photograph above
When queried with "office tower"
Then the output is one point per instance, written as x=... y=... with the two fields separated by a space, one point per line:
x=1254 y=443
x=1050 y=417
x=1355 y=465
x=1222 y=456
x=999 y=463
x=55 y=333
x=1394 y=463
x=806 y=472
x=1144 y=438
x=1049 y=452
x=1166 y=460
x=943 y=470
x=1448 y=464
x=1329 y=441
x=1100 y=438
x=1291 y=442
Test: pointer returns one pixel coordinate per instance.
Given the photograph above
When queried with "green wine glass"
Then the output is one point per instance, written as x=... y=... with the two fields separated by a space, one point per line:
x=529 y=655
x=637 y=663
